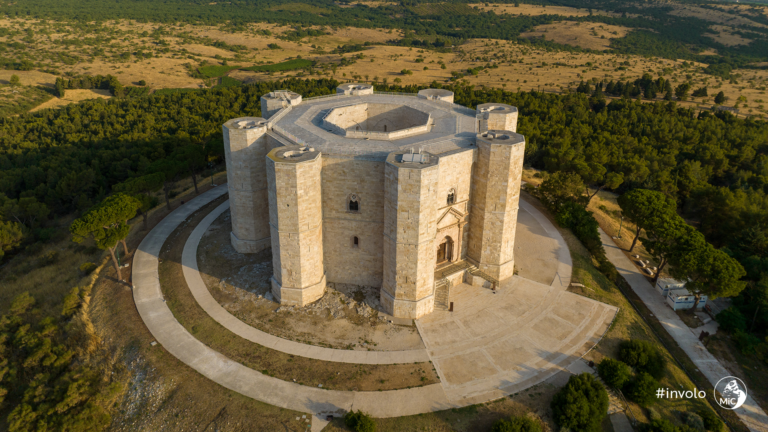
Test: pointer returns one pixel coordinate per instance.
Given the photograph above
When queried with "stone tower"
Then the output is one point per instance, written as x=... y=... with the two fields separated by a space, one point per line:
x=296 y=222
x=273 y=102
x=436 y=95
x=495 y=116
x=354 y=89
x=495 y=200
x=410 y=224
x=245 y=149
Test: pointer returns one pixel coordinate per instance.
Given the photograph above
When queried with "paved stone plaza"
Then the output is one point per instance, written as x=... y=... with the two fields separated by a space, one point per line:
x=497 y=343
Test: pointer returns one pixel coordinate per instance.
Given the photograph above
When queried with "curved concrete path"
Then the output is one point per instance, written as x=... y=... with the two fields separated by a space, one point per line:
x=547 y=244
x=230 y=322
x=181 y=344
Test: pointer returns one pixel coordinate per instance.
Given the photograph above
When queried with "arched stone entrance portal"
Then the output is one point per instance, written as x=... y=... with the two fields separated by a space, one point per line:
x=445 y=251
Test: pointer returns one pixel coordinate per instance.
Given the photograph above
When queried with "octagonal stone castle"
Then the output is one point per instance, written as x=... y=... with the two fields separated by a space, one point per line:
x=398 y=191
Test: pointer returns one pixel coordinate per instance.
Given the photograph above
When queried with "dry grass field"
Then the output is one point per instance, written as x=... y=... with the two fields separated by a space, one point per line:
x=586 y=35
x=536 y=10
x=177 y=50
x=73 y=96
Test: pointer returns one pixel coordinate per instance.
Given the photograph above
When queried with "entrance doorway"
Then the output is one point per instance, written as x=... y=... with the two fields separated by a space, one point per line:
x=445 y=251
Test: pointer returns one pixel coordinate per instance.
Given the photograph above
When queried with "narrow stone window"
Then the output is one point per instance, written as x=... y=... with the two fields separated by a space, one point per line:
x=355 y=242
x=385 y=128
x=354 y=204
x=451 y=197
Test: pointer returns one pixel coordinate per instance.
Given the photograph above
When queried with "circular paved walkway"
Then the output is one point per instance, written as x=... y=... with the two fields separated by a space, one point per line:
x=181 y=344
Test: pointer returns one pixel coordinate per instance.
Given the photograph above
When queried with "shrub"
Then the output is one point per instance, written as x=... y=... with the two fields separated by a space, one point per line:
x=662 y=425
x=746 y=342
x=693 y=420
x=642 y=389
x=359 y=421
x=584 y=226
x=581 y=405
x=87 y=267
x=711 y=421
x=615 y=373
x=731 y=320
x=516 y=424
x=643 y=356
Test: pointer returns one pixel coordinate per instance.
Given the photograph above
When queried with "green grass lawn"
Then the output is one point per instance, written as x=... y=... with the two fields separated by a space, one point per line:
x=213 y=71
x=284 y=66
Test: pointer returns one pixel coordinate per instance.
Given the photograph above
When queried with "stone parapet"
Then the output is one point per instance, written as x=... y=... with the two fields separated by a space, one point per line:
x=274 y=101
x=354 y=89
x=442 y=95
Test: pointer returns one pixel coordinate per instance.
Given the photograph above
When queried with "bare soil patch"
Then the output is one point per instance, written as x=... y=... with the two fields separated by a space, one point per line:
x=586 y=35
x=304 y=371
x=347 y=317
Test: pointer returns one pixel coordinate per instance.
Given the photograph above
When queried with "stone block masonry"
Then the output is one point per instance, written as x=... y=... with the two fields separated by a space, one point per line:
x=295 y=219
x=375 y=190
x=410 y=224
x=495 y=202
x=245 y=149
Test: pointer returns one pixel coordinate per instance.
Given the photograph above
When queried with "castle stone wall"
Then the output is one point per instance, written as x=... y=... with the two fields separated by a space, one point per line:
x=345 y=263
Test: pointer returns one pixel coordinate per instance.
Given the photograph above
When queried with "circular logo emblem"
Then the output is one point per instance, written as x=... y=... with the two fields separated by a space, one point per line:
x=732 y=392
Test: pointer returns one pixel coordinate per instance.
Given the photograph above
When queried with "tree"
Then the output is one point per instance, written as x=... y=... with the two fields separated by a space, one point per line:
x=193 y=156
x=27 y=211
x=681 y=91
x=594 y=173
x=581 y=405
x=170 y=169
x=645 y=208
x=560 y=187
x=615 y=373
x=60 y=87
x=107 y=224
x=720 y=98
x=15 y=82
x=664 y=240
x=731 y=320
x=708 y=270
x=516 y=424
x=711 y=421
x=642 y=389
x=643 y=356
x=141 y=188
x=10 y=236
x=359 y=421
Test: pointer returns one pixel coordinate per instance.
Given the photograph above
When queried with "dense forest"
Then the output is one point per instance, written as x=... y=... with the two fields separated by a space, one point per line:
x=657 y=32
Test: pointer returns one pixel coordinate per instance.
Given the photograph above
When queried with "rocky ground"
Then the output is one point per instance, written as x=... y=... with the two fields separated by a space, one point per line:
x=347 y=316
